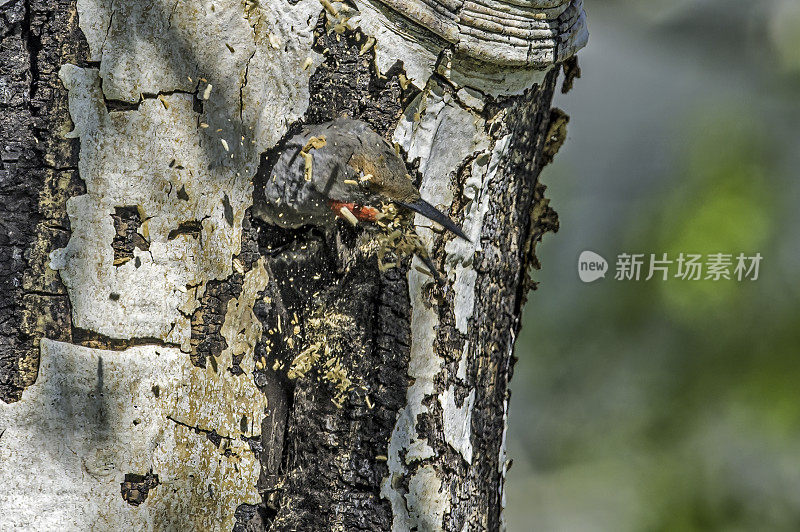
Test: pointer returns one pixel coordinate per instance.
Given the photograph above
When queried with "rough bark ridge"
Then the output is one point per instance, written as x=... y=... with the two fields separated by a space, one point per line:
x=334 y=459
x=518 y=214
x=330 y=473
x=38 y=172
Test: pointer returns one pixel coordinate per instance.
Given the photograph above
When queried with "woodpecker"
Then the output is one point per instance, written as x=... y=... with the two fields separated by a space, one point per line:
x=343 y=169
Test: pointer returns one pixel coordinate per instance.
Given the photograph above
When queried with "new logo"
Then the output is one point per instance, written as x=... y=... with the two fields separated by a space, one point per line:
x=591 y=266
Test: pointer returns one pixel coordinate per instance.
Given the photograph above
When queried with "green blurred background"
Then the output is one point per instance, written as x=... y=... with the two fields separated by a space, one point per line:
x=668 y=405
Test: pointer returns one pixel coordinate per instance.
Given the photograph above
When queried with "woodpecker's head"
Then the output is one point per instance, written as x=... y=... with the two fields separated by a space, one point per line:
x=341 y=168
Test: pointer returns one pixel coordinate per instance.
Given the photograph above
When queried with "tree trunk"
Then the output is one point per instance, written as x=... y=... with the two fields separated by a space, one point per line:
x=169 y=361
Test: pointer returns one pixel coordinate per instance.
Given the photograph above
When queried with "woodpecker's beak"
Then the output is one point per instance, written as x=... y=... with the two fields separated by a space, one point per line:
x=432 y=213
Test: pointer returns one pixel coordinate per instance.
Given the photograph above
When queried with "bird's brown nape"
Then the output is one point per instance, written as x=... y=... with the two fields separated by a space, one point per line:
x=388 y=182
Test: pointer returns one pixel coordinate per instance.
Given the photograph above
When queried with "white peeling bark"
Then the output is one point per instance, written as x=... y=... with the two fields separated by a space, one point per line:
x=445 y=131
x=167 y=159
x=93 y=415
x=442 y=132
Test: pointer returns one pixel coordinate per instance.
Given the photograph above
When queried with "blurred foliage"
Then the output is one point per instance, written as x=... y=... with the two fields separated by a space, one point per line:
x=667 y=405
x=725 y=206
x=784 y=32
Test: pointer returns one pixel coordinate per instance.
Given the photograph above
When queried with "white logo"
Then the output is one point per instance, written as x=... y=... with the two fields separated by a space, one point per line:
x=591 y=266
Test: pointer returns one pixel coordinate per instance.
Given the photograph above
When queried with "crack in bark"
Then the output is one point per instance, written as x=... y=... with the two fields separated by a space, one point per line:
x=89 y=338
x=121 y=106
x=32 y=46
x=108 y=31
x=244 y=83
x=216 y=438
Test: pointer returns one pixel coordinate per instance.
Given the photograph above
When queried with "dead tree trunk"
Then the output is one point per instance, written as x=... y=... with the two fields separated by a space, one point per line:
x=167 y=360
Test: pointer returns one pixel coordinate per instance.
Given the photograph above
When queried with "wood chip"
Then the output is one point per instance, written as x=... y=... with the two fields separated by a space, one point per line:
x=367 y=46
x=274 y=41
x=312 y=144
x=315 y=143
x=308 y=170
x=348 y=215
x=404 y=81
x=329 y=7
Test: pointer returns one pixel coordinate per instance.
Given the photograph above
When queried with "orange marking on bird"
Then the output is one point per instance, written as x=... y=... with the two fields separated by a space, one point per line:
x=365 y=214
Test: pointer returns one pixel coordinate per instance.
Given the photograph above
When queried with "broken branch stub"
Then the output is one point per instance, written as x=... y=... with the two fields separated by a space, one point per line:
x=532 y=33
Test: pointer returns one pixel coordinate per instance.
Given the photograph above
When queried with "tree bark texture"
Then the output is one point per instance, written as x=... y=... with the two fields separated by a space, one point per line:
x=38 y=174
x=200 y=369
